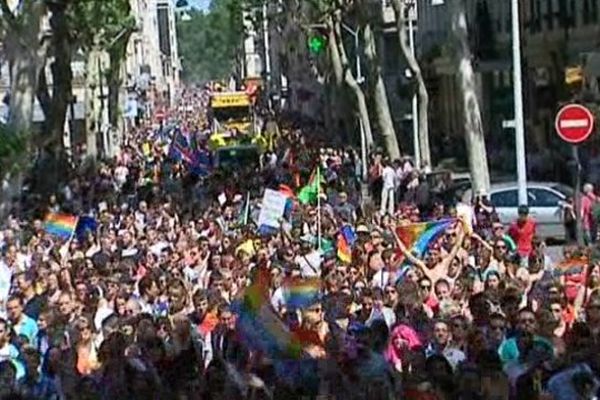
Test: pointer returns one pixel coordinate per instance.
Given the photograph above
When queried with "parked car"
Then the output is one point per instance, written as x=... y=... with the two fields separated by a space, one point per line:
x=545 y=201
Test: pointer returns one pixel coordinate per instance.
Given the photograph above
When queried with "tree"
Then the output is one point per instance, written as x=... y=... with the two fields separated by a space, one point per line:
x=55 y=105
x=209 y=42
x=382 y=107
x=25 y=48
x=400 y=9
x=106 y=26
x=475 y=139
x=337 y=46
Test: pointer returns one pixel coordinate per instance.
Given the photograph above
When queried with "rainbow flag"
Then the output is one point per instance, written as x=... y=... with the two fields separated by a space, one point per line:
x=345 y=240
x=259 y=325
x=301 y=293
x=61 y=225
x=418 y=237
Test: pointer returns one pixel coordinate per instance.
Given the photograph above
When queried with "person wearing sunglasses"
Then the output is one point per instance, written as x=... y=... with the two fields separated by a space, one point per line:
x=427 y=294
x=499 y=233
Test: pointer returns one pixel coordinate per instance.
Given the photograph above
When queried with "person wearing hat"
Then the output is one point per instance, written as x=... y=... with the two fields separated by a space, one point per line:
x=522 y=231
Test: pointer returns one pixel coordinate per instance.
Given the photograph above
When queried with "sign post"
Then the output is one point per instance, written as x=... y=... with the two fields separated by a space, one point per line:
x=574 y=124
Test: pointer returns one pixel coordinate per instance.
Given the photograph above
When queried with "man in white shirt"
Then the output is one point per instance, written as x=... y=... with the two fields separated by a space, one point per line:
x=389 y=186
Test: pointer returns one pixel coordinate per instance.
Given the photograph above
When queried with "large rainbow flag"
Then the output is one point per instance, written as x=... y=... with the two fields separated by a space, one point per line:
x=418 y=237
x=61 y=225
x=259 y=325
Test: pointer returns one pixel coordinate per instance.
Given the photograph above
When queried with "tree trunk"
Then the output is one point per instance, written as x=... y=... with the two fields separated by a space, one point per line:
x=400 y=12
x=382 y=107
x=92 y=106
x=25 y=51
x=22 y=91
x=475 y=139
x=337 y=45
x=114 y=85
x=62 y=74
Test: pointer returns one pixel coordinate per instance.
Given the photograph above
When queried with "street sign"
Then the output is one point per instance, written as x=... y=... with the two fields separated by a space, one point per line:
x=509 y=124
x=574 y=123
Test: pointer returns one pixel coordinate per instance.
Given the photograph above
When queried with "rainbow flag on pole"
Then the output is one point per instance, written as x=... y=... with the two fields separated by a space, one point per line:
x=61 y=225
x=418 y=237
x=345 y=240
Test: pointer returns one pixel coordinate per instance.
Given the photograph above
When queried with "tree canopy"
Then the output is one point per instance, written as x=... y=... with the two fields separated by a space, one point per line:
x=209 y=42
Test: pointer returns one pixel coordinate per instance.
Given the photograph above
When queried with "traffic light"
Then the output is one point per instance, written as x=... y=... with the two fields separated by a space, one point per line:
x=317 y=42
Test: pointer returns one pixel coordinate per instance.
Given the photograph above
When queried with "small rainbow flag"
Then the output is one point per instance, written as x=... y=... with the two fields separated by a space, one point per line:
x=418 y=237
x=301 y=293
x=61 y=225
x=345 y=240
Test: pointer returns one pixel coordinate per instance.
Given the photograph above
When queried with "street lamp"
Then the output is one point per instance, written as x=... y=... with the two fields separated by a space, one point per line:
x=518 y=102
x=412 y=18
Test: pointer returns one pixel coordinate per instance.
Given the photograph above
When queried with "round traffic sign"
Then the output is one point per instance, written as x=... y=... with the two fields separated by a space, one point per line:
x=574 y=123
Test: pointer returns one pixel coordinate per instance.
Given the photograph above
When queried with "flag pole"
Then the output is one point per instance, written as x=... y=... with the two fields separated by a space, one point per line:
x=319 y=207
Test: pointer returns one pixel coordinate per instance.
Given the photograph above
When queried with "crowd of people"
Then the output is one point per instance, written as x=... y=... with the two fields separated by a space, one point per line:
x=143 y=305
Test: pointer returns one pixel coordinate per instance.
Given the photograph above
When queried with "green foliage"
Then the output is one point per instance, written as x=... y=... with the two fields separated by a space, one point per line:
x=210 y=42
x=13 y=148
x=102 y=23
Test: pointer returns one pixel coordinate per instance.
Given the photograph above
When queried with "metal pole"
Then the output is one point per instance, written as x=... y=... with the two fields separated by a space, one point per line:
x=363 y=139
x=266 y=41
x=415 y=106
x=359 y=77
x=577 y=199
x=518 y=99
x=267 y=52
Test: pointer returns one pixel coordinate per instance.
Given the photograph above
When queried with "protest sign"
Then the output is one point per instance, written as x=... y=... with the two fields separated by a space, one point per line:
x=272 y=209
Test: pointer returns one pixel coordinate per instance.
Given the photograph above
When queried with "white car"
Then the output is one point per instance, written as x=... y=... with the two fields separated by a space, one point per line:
x=545 y=201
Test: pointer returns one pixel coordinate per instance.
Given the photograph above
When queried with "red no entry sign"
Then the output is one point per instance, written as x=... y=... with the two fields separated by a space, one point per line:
x=574 y=123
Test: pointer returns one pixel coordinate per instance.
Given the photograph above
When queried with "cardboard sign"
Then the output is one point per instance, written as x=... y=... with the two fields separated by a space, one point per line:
x=272 y=209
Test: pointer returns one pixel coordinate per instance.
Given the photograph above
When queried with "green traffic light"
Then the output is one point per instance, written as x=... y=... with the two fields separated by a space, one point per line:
x=316 y=44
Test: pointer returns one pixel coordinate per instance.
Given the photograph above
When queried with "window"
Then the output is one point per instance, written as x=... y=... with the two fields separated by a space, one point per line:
x=506 y=198
x=535 y=20
x=585 y=14
x=542 y=198
x=550 y=14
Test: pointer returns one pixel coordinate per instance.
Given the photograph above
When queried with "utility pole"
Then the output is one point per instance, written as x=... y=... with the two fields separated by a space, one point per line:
x=518 y=101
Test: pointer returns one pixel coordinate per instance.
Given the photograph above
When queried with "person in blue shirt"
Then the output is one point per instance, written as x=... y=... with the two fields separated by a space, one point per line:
x=19 y=322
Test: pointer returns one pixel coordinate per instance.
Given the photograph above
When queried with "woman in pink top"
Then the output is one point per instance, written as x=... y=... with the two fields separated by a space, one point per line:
x=587 y=216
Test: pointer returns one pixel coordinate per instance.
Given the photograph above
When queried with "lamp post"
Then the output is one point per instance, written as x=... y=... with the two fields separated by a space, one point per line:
x=518 y=101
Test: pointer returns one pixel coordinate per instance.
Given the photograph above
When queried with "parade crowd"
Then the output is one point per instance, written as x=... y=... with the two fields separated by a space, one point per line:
x=144 y=303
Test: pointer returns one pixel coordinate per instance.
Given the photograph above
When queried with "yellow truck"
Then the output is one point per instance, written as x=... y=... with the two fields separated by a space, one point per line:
x=232 y=111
